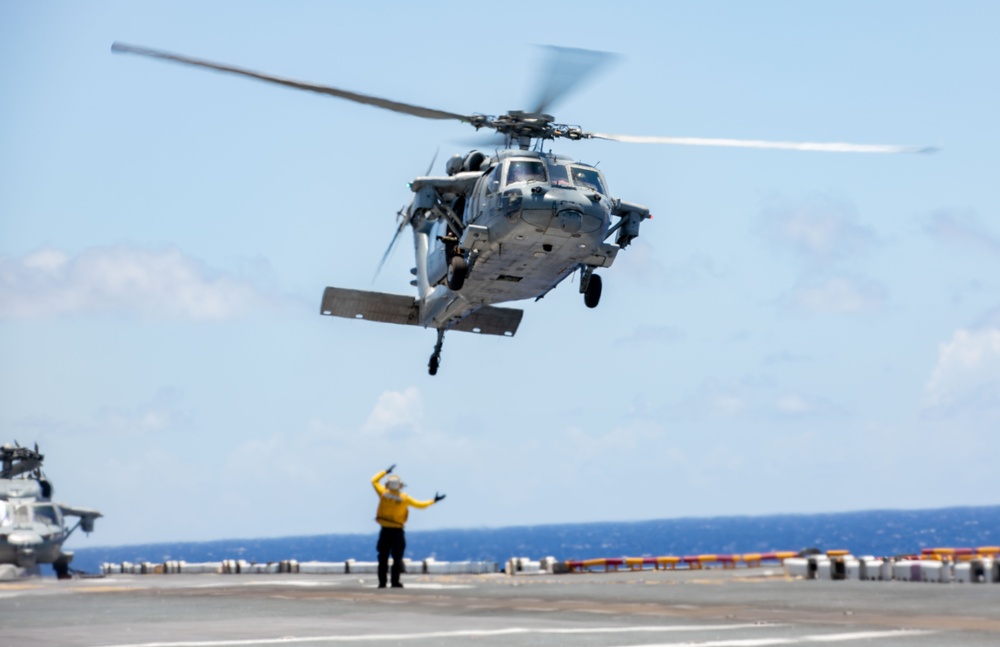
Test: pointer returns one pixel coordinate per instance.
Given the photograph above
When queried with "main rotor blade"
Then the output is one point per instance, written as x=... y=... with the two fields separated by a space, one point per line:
x=395 y=106
x=830 y=147
x=565 y=69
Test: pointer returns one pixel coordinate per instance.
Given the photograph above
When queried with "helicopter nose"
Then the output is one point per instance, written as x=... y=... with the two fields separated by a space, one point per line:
x=22 y=539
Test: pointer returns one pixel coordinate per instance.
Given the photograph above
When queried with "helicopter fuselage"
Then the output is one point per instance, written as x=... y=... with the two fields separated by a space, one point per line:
x=32 y=525
x=498 y=229
x=32 y=532
x=528 y=221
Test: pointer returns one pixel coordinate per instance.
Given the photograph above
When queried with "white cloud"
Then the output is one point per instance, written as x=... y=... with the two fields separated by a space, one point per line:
x=820 y=230
x=967 y=374
x=163 y=414
x=718 y=399
x=155 y=283
x=795 y=405
x=837 y=295
x=792 y=404
x=396 y=411
x=753 y=399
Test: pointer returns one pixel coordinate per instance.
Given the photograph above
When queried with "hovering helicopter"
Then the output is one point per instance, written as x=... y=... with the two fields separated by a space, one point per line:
x=507 y=226
x=32 y=526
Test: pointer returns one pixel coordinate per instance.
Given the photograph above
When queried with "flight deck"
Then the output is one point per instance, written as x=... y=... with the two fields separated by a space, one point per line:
x=711 y=608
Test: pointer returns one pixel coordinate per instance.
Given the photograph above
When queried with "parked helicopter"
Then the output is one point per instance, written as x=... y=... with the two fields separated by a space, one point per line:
x=32 y=526
x=506 y=226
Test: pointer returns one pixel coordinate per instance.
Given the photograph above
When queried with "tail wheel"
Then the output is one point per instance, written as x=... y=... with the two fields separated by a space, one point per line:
x=593 y=294
x=457 y=271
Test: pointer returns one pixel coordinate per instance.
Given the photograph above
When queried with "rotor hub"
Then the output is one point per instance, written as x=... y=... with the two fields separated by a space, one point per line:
x=522 y=127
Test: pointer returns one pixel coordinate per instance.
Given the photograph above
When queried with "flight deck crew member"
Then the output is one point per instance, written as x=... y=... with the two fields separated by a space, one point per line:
x=393 y=509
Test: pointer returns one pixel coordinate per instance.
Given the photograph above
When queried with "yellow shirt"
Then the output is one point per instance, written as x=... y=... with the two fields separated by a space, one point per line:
x=393 y=507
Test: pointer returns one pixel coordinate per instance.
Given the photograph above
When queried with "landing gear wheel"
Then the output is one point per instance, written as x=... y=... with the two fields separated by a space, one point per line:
x=61 y=567
x=432 y=366
x=457 y=270
x=593 y=294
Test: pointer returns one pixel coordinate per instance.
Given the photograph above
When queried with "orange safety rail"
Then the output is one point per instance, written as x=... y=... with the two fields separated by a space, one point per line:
x=782 y=555
x=612 y=563
x=639 y=563
x=988 y=551
x=692 y=561
x=667 y=562
x=752 y=559
x=728 y=561
x=707 y=559
x=839 y=552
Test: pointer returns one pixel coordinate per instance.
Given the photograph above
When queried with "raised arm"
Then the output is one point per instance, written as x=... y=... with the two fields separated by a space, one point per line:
x=377 y=479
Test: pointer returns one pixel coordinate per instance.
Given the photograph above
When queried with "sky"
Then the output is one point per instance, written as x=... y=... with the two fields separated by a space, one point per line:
x=793 y=332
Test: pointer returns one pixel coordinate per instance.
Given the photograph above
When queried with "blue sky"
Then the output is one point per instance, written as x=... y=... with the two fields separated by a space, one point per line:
x=793 y=332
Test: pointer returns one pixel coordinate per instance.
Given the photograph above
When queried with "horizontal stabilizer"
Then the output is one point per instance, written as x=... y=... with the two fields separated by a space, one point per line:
x=373 y=306
x=491 y=321
x=71 y=511
x=398 y=309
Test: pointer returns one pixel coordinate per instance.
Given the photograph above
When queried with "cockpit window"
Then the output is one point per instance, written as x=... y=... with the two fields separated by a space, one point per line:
x=525 y=171
x=22 y=514
x=46 y=514
x=559 y=176
x=589 y=178
x=493 y=182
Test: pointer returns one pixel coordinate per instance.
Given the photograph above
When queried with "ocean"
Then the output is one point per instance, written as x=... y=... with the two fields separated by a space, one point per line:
x=873 y=532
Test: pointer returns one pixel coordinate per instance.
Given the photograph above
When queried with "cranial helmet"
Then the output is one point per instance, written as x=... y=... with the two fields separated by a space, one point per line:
x=394 y=483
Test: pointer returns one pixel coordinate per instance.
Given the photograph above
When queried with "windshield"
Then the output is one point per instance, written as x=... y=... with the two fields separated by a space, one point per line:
x=525 y=171
x=22 y=514
x=589 y=178
x=46 y=514
x=559 y=176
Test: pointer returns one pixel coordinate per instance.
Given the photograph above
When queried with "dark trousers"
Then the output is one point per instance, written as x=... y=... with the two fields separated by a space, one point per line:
x=391 y=541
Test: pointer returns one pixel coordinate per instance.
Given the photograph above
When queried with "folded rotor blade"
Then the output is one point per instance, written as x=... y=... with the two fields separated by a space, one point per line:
x=565 y=69
x=404 y=221
x=395 y=106
x=830 y=147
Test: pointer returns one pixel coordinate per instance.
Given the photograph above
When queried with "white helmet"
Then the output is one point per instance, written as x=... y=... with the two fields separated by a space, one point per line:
x=394 y=483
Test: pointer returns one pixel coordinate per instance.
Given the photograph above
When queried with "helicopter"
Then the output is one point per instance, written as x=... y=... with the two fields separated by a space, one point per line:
x=506 y=226
x=32 y=526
